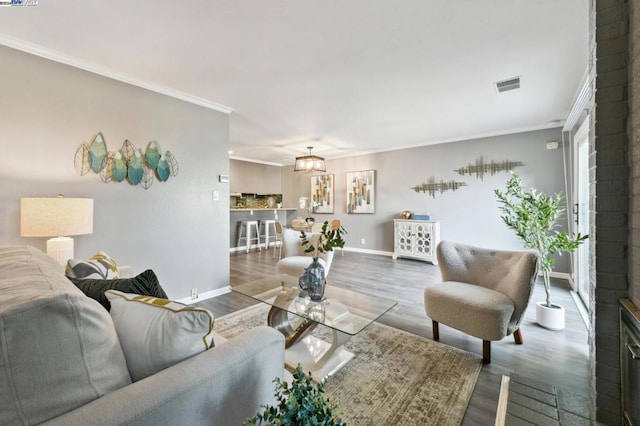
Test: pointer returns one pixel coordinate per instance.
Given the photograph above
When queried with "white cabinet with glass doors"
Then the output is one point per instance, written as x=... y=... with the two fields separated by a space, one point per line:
x=416 y=239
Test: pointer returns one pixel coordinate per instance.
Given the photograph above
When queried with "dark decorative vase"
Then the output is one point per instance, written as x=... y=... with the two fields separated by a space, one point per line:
x=312 y=281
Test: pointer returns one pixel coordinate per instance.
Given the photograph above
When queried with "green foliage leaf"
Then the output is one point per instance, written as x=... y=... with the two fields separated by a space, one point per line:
x=327 y=241
x=300 y=404
x=534 y=216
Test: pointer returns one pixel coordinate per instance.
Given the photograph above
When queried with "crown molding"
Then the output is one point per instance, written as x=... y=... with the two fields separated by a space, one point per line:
x=462 y=138
x=252 y=160
x=56 y=56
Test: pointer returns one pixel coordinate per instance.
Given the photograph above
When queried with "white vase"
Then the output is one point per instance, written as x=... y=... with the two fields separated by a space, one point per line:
x=551 y=317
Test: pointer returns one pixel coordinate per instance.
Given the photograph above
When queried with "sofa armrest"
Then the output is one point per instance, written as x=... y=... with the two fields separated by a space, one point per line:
x=221 y=386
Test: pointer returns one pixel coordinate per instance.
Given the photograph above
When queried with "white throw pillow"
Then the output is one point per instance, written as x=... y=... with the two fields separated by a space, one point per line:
x=157 y=333
x=99 y=266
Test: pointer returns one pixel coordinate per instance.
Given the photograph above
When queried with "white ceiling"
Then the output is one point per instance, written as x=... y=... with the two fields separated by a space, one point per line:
x=346 y=76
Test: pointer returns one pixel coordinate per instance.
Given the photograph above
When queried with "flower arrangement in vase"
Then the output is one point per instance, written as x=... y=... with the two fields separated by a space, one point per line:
x=329 y=237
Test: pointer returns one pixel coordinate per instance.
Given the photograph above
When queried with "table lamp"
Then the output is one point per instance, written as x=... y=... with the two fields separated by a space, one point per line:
x=56 y=217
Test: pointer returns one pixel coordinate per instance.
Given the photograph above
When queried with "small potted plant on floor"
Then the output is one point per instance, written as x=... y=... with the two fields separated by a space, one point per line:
x=534 y=217
x=301 y=404
x=313 y=279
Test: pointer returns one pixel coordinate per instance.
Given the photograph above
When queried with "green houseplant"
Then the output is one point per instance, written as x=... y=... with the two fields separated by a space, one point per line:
x=301 y=404
x=328 y=239
x=534 y=217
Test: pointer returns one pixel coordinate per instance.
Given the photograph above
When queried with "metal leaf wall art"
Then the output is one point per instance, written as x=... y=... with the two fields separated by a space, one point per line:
x=480 y=167
x=431 y=186
x=129 y=163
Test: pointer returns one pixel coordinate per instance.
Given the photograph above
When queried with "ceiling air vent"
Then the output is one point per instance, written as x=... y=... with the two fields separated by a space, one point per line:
x=509 y=84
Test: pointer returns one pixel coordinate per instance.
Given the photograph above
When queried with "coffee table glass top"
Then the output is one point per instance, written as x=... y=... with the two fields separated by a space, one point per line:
x=344 y=310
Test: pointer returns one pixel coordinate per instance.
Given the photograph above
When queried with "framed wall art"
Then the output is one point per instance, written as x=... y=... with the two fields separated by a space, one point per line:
x=361 y=191
x=322 y=194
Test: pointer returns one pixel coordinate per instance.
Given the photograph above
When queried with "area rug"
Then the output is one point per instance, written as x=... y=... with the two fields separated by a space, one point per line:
x=395 y=378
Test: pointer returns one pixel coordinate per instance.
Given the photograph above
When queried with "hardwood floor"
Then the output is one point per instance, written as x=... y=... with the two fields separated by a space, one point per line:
x=559 y=358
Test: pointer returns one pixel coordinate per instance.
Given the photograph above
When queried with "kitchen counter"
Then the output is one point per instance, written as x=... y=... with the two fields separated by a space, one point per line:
x=246 y=209
x=283 y=215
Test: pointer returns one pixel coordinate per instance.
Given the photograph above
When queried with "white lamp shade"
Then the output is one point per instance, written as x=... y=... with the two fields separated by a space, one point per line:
x=55 y=217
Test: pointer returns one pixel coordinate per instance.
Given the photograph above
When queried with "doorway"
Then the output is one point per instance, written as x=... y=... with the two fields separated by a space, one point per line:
x=581 y=210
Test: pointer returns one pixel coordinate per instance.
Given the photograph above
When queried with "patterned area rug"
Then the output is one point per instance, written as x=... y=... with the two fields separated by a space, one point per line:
x=395 y=378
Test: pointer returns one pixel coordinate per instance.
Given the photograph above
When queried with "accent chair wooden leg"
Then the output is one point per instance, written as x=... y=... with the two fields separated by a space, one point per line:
x=517 y=336
x=436 y=331
x=486 y=352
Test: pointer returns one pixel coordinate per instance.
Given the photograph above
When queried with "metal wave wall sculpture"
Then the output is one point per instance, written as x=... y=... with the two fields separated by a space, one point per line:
x=432 y=187
x=128 y=163
x=480 y=167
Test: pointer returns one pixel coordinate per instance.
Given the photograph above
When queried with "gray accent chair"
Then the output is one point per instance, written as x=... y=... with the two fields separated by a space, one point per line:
x=295 y=260
x=484 y=292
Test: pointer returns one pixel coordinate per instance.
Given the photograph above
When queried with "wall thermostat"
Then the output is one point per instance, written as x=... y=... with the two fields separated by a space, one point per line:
x=552 y=145
x=223 y=178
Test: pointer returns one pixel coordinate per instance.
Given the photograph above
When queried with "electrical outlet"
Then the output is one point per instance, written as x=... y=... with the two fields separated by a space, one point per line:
x=194 y=293
x=362 y=241
x=275 y=216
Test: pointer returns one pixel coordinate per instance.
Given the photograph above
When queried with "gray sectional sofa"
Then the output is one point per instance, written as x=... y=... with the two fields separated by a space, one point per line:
x=61 y=362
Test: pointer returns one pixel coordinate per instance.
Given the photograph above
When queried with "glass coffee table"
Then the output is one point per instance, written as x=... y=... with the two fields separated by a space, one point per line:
x=345 y=312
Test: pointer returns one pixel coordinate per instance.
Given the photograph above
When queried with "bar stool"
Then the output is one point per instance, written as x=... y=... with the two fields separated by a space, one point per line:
x=264 y=230
x=278 y=241
x=248 y=225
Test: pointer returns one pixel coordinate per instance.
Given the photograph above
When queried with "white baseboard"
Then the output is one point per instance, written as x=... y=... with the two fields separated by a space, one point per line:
x=560 y=275
x=253 y=246
x=206 y=295
x=368 y=251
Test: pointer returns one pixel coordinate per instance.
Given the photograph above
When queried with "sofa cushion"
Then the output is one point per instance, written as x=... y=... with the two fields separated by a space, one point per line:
x=157 y=333
x=99 y=266
x=145 y=284
x=479 y=311
x=58 y=348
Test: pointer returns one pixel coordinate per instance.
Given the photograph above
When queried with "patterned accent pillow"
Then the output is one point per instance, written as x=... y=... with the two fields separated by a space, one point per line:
x=145 y=283
x=157 y=333
x=99 y=266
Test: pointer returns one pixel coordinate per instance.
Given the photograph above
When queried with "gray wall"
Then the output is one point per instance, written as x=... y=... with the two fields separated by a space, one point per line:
x=469 y=214
x=49 y=109
x=255 y=178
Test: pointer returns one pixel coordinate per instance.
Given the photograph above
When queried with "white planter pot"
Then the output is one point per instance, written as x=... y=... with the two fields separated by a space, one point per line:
x=550 y=317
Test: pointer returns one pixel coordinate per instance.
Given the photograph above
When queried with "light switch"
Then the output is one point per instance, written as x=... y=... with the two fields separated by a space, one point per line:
x=216 y=195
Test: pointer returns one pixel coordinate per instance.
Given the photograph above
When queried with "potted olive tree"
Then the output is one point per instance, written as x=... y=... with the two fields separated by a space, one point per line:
x=534 y=217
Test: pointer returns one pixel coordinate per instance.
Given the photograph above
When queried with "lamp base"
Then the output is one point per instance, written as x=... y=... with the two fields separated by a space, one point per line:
x=60 y=248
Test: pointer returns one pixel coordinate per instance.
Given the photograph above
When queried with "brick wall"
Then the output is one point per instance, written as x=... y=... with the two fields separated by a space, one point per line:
x=610 y=198
x=634 y=152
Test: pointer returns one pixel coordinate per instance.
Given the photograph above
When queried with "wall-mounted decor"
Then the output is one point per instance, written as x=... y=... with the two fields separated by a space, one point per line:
x=361 y=191
x=127 y=163
x=431 y=186
x=322 y=195
x=480 y=167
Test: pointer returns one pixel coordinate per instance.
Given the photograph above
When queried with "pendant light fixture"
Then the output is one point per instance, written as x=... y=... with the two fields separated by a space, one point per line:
x=310 y=163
